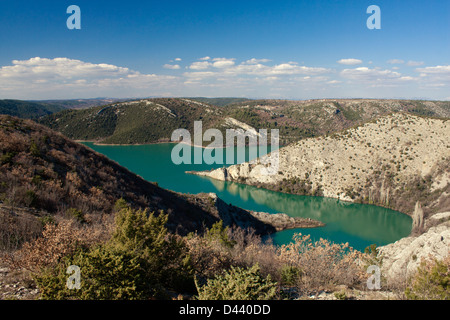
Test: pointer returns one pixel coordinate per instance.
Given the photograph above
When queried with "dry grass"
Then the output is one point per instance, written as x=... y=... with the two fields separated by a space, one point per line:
x=17 y=228
x=58 y=241
x=324 y=265
x=321 y=265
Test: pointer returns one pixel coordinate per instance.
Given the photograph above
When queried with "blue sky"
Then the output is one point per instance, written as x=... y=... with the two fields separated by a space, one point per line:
x=257 y=49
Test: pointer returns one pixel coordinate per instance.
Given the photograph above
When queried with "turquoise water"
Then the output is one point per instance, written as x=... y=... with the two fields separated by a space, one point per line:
x=359 y=225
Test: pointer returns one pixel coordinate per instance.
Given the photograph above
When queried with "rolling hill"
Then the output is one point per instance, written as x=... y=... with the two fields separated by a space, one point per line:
x=154 y=120
x=80 y=103
x=35 y=109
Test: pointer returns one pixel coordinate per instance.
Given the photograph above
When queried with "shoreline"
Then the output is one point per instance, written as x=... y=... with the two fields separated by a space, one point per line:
x=338 y=199
x=158 y=142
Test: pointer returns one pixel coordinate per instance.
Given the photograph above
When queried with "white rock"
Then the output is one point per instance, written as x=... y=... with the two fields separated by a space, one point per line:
x=401 y=259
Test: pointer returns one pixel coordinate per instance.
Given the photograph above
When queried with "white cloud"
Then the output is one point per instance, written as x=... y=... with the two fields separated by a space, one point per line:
x=200 y=65
x=292 y=69
x=372 y=76
x=222 y=62
x=256 y=61
x=59 y=68
x=198 y=75
x=63 y=78
x=171 y=66
x=395 y=61
x=69 y=78
x=177 y=59
x=411 y=63
x=437 y=76
x=350 y=61
x=334 y=82
x=205 y=58
x=228 y=67
x=442 y=70
x=407 y=78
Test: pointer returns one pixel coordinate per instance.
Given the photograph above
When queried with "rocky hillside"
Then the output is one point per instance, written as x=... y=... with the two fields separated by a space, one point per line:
x=312 y=118
x=134 y=122
x=154 y=120
x=43 y=174
x=400 y=161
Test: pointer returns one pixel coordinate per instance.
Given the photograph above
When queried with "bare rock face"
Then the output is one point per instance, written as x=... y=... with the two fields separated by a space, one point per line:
x=417 y=217
x=402 y=258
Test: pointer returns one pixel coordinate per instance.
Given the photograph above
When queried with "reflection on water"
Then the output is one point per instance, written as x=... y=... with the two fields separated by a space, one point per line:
x=365 y=224
x=360 y=225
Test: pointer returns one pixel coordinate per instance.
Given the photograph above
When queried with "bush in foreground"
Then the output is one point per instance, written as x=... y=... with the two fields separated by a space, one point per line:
x=239 y=284
x=140 y=261
x=431 y=282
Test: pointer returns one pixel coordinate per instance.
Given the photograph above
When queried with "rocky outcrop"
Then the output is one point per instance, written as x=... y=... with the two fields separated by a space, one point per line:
x=401 y=259
x=218 y=174
x=281 y=221
x=417 y=217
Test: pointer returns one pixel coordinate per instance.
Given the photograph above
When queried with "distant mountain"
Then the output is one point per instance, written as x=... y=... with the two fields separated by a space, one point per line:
x=154 y=120
x=35 y=109
x=27 y=109
x=79 y=103
x=220 y=102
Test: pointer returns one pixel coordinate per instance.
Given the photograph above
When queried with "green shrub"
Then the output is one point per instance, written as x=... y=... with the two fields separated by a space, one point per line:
x=165 y=256
x=37 y=180
x=218 y=232
x=120 y=204
x=431 y=282
x=238 y=284
x=7 y=157
x=34 y=149
x=340 y=295
x=47 y=219
x=105 y=274
x=30 y=198
x=76 y=214
x=290 y=275
x=372 y=256
x=140 y=261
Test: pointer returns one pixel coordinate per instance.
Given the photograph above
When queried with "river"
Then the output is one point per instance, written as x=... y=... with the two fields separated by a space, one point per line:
x=359 y=225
